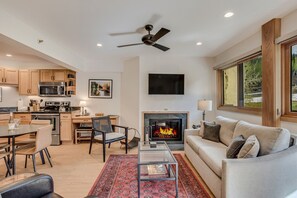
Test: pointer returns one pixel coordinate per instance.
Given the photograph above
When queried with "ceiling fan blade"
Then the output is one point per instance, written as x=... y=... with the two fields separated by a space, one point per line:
x=160 y=34
x=161 y=47
x=122 y=33
x=130 y=45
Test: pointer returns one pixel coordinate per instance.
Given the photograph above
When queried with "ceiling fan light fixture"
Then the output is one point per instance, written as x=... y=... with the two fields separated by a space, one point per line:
x=199 y=43
x=228 y=14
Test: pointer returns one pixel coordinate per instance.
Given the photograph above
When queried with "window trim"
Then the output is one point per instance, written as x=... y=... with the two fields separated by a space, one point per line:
x=220 y=87
x=287 y=114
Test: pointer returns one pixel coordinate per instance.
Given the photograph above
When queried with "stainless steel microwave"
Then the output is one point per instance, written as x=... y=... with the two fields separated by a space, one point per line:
x=52 y=89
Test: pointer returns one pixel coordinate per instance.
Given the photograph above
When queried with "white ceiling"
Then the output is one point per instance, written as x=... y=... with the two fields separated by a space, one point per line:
x=81 y=24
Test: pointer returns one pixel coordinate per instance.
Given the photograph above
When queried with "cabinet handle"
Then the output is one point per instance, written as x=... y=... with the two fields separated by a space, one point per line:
x=54 y=77
x=5 y=79
x=27 y=90
x=2 y=79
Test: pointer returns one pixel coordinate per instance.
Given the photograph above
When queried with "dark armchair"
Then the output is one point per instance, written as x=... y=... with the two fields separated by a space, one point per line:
x=28 y=185
x=104 y=133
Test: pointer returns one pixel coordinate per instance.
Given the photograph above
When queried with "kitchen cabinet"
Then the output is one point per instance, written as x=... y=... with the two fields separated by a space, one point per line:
x=28 y=82
x=9 y=76
x=66 y=127
x=4 y=118
x=25 y=117
x=52 y=75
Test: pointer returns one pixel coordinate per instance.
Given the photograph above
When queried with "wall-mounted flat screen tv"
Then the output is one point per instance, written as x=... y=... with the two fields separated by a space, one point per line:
x=163 y=84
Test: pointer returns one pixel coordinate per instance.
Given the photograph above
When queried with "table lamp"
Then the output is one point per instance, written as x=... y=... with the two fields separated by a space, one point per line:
x=82 y=105
x=204 y=105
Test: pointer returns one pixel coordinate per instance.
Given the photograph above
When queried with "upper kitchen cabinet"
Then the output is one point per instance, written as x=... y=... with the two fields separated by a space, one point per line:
x=28 y=82
x=52 y=75
x=9 y=76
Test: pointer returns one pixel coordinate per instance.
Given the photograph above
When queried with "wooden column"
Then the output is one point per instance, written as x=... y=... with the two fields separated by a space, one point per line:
x=270 y=31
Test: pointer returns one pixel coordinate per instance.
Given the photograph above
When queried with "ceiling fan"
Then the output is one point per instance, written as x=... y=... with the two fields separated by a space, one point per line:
x=151 y=39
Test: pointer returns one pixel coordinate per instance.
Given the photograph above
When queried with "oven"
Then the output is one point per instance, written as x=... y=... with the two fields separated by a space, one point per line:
x=54 y=119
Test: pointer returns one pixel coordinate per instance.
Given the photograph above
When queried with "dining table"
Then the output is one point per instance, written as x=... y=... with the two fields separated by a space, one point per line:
x=11 y=134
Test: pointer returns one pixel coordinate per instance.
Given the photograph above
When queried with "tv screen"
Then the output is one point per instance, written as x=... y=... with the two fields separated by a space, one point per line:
x=166 y=84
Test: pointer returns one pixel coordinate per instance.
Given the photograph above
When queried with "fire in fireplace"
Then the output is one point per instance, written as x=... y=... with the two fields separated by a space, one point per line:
x=166 y=129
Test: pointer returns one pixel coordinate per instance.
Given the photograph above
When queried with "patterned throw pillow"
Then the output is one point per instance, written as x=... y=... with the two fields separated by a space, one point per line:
x=212 y=132
x=250 y=148
x=235 y=146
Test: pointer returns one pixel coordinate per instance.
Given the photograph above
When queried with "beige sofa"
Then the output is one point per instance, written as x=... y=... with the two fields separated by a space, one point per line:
x=272 y=174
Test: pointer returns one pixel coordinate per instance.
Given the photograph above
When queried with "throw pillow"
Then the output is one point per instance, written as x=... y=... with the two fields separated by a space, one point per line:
x=235 y=146
x=250 y=148
x=211 y=132
x=201 y=131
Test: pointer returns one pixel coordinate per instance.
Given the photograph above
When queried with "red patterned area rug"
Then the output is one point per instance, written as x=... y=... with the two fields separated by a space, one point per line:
x=118 y=178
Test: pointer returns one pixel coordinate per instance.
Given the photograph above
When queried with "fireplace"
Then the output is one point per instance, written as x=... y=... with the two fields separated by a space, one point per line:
x=165 y=129
x=165 y=126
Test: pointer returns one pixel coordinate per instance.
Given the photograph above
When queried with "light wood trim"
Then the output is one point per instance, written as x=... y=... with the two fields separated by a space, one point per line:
x=220 y=95
x=253 y=111
x=270 y=31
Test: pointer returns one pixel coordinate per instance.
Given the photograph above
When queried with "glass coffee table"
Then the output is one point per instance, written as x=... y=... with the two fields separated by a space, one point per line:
x=156 y=162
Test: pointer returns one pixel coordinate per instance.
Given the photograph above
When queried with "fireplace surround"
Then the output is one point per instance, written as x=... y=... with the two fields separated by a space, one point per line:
x=166 y=126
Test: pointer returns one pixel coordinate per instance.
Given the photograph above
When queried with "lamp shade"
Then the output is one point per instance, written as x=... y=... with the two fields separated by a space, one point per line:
x=205 y=105
x=82 y=103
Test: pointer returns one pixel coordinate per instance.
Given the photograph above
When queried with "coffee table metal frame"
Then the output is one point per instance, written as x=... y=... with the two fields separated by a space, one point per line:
x=161 y=155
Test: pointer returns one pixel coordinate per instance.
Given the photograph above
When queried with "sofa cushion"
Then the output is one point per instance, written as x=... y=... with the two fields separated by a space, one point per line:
x=271 y=139
x=227 y=129
x=235 y=146
x=195 y=142
x=211 y=132
x=213 y=156
x=250 y=148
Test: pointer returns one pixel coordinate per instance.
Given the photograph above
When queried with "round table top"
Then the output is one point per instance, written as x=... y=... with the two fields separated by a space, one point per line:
x=21 y=130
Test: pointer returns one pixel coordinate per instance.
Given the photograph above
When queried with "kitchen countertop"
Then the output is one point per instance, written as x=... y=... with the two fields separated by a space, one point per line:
x=7 y=110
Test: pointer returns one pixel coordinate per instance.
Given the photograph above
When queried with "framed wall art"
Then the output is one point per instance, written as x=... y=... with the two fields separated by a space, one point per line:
x=100 y=88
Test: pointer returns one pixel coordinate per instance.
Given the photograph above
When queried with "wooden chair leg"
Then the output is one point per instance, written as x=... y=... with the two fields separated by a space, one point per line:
x=26 y=161
x=42 y=157
x=34 y=162
x=48 y=157
x=103 y=152
x=109 y=145
x=7 y=166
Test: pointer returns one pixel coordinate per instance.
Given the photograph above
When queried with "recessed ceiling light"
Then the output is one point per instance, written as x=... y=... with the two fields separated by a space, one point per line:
x=199 y=43
x=9 y=55
x=99 y=44
x=228 y=14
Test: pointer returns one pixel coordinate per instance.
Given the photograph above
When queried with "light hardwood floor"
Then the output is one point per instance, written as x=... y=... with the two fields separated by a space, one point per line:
x=74 y=170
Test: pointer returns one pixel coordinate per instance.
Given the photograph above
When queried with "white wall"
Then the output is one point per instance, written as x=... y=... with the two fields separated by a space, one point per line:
x=130 y=94
x=288 y=25
x=199 y=84
x=107 y=106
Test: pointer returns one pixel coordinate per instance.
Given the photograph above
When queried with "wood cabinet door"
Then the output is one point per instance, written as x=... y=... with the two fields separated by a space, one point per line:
x=65 y=130
x=25 y=117
x=11 y=76
x=46 y=75
x=24 y=78
x=34 y=81
x=2 y=75
x=59 y=75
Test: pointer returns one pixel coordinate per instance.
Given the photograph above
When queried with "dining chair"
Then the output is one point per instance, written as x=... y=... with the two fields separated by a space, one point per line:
x=103 y=132
x=4 y=154
x=42 y=141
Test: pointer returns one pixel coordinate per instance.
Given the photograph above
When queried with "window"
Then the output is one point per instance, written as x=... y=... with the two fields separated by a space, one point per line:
x=289 y=79
x=242 y=84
